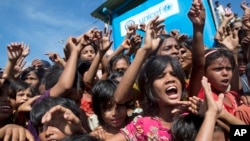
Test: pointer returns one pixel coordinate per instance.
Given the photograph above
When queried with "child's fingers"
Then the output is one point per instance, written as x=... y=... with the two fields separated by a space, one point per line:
x=22 y=134
x=33 y=99
x=186 y=103
x=13 y=133
x=220 y=99
x=207 y=88
x=195 y=100
x=48 y=115
x=46 y=118
x=29 y=136
x=70 y=116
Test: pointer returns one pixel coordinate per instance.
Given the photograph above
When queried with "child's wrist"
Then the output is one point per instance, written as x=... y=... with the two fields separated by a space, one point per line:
x=211 y=114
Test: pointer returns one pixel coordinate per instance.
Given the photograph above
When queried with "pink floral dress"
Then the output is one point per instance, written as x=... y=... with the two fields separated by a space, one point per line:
x=146 y=129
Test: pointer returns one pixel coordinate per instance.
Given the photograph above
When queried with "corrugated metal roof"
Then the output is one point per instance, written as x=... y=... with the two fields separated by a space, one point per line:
x=117 y=7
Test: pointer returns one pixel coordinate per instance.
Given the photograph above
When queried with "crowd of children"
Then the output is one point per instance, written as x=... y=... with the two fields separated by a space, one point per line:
x=174 y=89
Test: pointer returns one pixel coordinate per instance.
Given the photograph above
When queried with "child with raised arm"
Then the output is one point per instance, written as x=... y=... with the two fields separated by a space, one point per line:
x=162 y=88
x=64 y=82
x=217 y=64
x=56 y=118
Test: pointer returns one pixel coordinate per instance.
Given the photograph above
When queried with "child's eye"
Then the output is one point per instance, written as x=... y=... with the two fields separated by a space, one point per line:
x=217 y=69
x=183 y=51
x=173 y=74
x=229 y=68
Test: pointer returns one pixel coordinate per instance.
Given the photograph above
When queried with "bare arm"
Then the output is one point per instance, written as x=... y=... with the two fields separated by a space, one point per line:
x=213 y=111
x=125 y=45
x=197 y=16
x=55 y=57
x=121 y=94
x=104 y=44
x=14 y=53
x=67 y=77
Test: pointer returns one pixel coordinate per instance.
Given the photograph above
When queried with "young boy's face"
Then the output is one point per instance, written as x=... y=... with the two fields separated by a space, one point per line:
x=23 y=96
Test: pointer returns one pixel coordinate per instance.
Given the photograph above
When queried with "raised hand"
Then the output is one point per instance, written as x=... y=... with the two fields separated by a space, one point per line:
x=245 y=42
x=19 y=66
x=54 y=57
x=36 y=63
x=136 y=41
x=27 y=106
x=228 y=17
x=244 y=6
x=214 y=107
x=246 y=22
x=142 y=27
x=200 y=107
x=229 y=39
x=64 y=119
x=14 y=51
x=152 y=28
x=175 y=33
x=26 y=50
x=104 y=42
x=197 y=13
x=73 y=45
x=131 y=30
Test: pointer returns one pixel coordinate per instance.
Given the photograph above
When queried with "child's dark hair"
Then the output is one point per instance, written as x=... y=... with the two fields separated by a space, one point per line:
x=163 y=37
x=103 y=97
x=187 y=43
x=185 y=127
x=8 y=86
x=116 y=74
x=38 y=71
x=151 y=70
x=53 y=74
x=18 y=85
x=215 y=53
x=44 y=105
x=114 y=60
x=83 y=137
x=83 y=66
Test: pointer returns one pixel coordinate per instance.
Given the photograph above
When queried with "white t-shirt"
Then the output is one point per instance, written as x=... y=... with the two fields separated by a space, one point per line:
x=220 y=11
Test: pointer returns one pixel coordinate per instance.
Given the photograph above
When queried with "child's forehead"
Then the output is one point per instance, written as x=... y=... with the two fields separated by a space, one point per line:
x=221 y=60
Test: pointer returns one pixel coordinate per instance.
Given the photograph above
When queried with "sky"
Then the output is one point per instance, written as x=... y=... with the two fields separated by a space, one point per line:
x=45 y=25
x=235 y=4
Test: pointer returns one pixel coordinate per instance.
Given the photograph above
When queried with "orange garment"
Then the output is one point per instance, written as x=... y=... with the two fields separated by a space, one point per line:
x=86 y=104
x=243 y=113
x=231 y=95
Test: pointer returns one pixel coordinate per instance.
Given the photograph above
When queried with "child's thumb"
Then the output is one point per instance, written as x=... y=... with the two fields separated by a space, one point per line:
x=220 y=99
